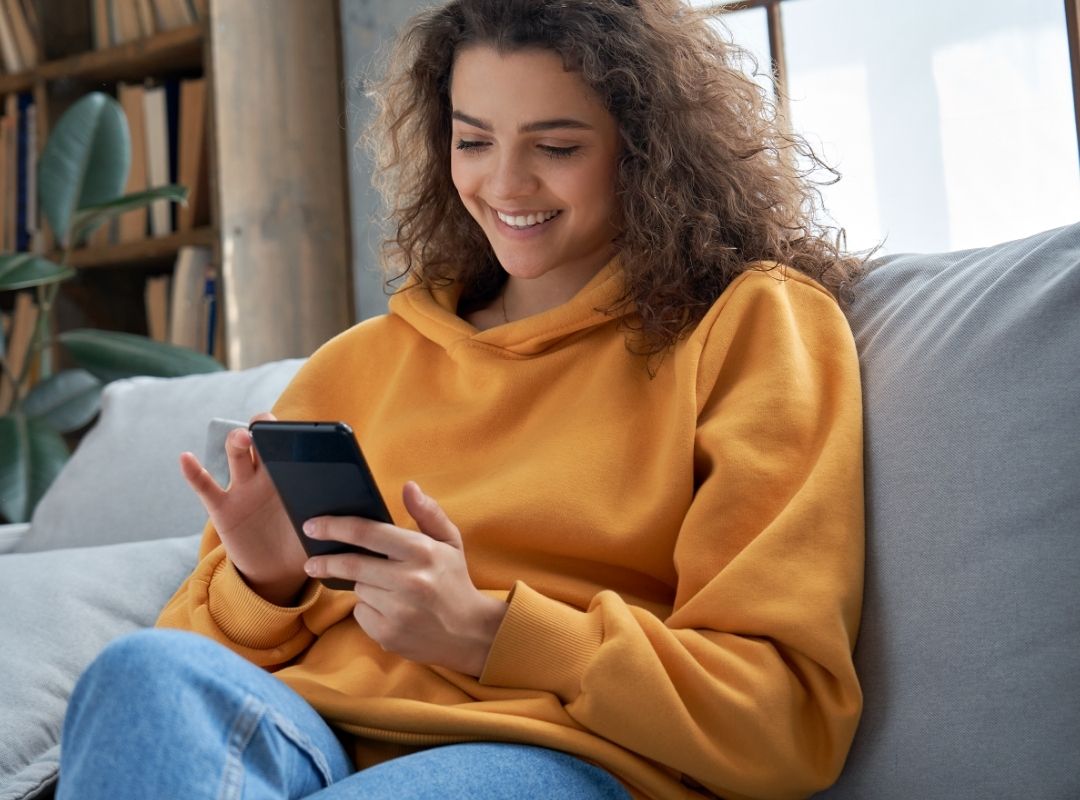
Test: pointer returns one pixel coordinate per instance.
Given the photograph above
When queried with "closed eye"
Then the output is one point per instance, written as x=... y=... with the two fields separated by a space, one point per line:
x=464 y=144
x=559 y=152
x=468 y=145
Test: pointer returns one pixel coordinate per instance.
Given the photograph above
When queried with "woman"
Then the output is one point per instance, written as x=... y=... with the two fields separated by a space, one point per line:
x=634 y=566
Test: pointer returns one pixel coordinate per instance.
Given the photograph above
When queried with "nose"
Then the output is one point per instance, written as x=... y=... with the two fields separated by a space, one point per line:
x=512 y=177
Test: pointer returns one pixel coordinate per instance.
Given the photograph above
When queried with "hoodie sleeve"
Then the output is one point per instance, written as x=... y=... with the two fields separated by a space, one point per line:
x=747 y=687
x=217 y=602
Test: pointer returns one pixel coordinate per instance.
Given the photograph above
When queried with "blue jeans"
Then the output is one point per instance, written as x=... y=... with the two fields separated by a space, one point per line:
x=169 y=714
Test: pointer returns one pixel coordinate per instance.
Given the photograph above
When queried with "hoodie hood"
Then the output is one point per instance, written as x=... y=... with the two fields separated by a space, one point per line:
x=433 y=313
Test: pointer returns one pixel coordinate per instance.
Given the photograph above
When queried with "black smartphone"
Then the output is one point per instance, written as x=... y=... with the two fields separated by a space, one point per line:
x=318 y=470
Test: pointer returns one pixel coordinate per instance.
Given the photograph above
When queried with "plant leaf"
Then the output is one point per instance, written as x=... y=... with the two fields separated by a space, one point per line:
x=85 y=161
x=31 y=456
x=89 y=217
x=110 y=355
x=26 y=270
x=67 y=401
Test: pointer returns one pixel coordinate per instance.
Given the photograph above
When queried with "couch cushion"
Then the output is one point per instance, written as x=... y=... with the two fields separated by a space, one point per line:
x=969 y=651
x=60 y=609
x=123 y=482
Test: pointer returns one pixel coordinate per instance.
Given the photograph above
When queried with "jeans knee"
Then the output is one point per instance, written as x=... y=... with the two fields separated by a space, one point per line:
x=138 y=665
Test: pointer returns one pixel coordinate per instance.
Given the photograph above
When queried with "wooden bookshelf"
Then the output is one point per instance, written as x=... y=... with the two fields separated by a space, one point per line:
x=148 y=253
x=169 y=51
x=291 y=247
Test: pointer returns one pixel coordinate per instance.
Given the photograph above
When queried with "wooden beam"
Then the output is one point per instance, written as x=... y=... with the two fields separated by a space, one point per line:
x=278 y=107
x=779 y=59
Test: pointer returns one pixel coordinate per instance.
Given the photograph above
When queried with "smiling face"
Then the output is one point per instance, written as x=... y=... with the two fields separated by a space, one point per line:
x=533 y=157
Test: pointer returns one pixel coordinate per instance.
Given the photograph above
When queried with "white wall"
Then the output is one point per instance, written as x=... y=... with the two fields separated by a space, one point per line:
x=365 y=26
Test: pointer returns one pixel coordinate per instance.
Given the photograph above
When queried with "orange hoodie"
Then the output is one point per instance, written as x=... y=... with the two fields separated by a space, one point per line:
x=682 y=555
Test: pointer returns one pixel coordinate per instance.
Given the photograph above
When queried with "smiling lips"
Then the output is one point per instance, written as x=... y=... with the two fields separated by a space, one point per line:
x=523 y=221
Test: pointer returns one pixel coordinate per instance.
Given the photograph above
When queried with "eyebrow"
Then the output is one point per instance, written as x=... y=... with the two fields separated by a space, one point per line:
x=529 y=127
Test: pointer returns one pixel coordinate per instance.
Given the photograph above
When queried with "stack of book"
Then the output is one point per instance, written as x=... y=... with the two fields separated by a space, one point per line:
x=19 y=227
x=182 y=308
x=167 y=122
x=117 y=21
x=19 y=35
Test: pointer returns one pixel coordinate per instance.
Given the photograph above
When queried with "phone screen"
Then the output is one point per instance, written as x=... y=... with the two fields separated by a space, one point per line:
x=319 y=470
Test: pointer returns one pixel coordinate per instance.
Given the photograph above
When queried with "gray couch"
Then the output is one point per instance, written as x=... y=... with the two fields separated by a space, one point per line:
x=969 y=650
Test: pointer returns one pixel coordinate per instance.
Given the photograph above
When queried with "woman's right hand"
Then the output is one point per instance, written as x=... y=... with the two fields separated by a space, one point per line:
x=250 y=520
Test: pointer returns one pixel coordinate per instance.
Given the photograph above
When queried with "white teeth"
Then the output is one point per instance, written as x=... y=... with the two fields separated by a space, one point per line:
x=527 y=221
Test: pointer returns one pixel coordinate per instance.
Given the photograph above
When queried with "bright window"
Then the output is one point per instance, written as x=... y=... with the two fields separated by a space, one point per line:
x=952 y=123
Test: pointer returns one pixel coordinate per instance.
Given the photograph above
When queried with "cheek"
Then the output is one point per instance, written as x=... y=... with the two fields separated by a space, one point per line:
x=596 y=191
x=464 y=179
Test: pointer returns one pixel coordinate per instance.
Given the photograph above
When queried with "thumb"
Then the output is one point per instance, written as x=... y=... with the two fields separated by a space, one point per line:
x=430 y=516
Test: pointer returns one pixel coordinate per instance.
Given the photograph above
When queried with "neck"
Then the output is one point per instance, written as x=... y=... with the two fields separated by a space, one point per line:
x=523 y=297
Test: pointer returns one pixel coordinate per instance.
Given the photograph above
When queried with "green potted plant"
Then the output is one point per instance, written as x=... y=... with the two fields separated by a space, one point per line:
x=81 y=176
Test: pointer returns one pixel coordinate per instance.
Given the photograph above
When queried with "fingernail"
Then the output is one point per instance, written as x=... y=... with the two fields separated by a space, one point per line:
x=310 y=567
x=309 y=527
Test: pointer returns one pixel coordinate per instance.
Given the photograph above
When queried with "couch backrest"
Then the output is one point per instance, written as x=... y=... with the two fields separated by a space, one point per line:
x=969 y=651
x=123 y=482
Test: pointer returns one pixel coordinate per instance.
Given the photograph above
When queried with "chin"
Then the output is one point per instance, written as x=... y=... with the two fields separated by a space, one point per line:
x=523 y=268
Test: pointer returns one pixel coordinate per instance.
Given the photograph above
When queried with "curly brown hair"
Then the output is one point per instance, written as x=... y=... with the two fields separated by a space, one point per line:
x=708 y=180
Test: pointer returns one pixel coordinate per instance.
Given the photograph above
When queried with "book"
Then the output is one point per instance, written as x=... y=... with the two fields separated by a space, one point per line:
x=32 y=223
x=157 y=307
x=172 y=129
x=147 y=22
x=172 y=14
x=125 y=21
x=9 y=49
x=100 y=25
x=11 y=170
x=22 y=176
x=157 y=155
x=5 y=179
x=192 y=158
x=209 y=314
x=24 y=318
x=29 y=8
x=24 y=36
x=132 y=225
x=187 y=322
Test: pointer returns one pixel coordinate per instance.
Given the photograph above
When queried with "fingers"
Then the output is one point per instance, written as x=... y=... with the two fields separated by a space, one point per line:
x=429 y=515
x=263 y=416
x=238 y=451
x=395 y=543
x=201 y=481
x=368 y=571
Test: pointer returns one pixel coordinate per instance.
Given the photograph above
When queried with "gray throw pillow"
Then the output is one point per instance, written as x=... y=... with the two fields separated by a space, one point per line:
x=969 y=651
x=123 y=482
x=60 y=609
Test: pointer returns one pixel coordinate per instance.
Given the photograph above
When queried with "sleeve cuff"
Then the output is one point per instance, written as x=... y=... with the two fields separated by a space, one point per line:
x=542 y=644
x=250 y=620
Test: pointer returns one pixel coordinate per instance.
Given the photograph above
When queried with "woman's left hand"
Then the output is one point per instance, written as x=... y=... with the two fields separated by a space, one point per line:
x=420 y=601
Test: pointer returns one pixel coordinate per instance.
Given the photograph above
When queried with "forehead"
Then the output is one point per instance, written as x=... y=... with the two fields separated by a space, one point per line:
x=520 y=84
